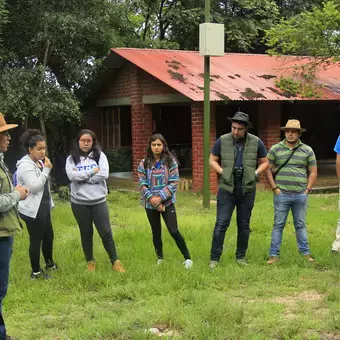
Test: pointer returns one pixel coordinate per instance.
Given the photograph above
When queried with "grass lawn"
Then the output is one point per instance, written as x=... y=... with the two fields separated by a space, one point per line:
x=291 y=300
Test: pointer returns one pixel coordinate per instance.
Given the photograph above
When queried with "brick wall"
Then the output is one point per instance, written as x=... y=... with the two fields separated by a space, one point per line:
x=197 y=146
x=269 y=122
x=141 y=120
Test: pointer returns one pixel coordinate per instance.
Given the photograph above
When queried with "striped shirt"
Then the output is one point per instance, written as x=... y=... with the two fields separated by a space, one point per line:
x=292 y=178
x=159 y=180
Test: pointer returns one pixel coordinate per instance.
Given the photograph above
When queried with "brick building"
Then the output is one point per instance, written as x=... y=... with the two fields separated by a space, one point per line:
x=147 y=91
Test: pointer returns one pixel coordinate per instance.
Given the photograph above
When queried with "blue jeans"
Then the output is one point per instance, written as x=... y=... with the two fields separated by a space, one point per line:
x=282 y=204
x=5 y=257
x=226 y=203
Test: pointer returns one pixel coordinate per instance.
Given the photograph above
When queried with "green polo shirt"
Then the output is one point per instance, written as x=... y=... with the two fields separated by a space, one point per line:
x=292 y=178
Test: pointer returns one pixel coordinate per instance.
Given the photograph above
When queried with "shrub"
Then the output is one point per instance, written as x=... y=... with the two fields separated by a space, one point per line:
x=120 y=160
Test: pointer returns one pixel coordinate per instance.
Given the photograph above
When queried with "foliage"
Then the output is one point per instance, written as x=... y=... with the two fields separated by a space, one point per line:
x=120 y=160
x=301 y=84
x=314 y=33
x=293 y=300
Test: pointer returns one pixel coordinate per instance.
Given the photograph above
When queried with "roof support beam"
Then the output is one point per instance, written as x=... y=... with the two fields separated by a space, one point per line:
x=165 y=98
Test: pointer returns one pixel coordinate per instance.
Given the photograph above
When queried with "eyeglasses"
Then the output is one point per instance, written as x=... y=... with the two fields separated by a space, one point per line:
x=88 y=141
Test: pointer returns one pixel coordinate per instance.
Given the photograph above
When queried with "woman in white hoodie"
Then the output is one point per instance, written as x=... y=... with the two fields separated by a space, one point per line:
x=87 y=169
x=33 y=172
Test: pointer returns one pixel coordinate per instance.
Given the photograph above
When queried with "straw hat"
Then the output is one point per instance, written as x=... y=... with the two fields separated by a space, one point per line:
x=293 y=124
x=4 y=126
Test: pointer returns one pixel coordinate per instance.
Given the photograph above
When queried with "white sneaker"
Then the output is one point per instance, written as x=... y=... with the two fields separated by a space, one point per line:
x=159 y=261
x=188 y=264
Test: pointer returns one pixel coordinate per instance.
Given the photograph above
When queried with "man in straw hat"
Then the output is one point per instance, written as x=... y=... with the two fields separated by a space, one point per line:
x=295 y=172
x=336 y=243
x=239 y=158
x=9 y=218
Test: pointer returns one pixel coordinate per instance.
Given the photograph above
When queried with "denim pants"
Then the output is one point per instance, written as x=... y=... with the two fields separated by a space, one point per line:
x=226 y=203
x=5 y=257
x=282 y=204
x=336 y=243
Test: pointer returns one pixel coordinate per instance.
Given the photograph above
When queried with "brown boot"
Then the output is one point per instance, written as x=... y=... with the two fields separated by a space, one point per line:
x=118 y=267
x=273 y=260
x=309 y=258
x=91 y=266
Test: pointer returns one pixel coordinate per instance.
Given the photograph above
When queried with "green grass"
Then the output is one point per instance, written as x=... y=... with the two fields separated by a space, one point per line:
x=292 y=300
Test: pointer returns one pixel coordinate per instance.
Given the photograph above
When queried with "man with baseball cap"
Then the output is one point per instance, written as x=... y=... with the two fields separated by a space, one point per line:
x=239 y=158
x=294 y=172
x=9 y=218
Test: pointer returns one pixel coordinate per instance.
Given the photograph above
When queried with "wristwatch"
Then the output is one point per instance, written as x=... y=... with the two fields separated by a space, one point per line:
x=256 y=173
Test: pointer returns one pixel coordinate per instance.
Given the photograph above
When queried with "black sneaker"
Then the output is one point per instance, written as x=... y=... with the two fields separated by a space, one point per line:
x=40 y=275
x=51 y=266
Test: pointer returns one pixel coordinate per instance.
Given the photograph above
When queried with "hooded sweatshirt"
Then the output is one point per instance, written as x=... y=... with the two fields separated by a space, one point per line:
x=30 y=176
x=88 y=188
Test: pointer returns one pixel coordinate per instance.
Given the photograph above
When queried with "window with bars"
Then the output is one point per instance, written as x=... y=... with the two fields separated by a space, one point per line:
x=110 y=128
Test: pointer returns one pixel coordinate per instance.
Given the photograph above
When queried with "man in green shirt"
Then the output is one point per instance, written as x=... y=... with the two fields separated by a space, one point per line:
x=293 y=182
x=9 y=218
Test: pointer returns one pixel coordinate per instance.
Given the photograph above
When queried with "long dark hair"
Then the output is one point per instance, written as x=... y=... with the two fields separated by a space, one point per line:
x=76 y=152
x=166 y=156
x=30 y=138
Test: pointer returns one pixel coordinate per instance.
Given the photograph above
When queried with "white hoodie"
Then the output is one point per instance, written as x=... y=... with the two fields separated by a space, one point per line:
x=30 y=176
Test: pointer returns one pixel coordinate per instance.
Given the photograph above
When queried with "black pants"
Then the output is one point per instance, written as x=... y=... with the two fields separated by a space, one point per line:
x=226 y=203
x=170 y=219
x=41 y=236
x=98 y=214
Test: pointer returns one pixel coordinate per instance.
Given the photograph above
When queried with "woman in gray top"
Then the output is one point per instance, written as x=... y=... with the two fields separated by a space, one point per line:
x=33 y=172
x=87 y=169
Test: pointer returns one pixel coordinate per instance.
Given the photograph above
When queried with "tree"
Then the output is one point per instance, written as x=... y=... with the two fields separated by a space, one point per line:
x=315 y=33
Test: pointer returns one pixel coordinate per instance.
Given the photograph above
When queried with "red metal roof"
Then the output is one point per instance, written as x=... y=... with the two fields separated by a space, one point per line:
x=233 y=77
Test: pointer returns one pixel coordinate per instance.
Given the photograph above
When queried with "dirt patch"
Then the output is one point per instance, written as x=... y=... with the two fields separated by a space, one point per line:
x=330 y=335
x=306 y=296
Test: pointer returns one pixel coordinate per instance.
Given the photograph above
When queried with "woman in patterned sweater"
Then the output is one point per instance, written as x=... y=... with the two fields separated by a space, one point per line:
x=158 y=179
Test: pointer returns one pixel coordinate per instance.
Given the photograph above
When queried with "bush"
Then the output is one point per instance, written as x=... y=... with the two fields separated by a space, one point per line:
x=64 y=193
x=120 y=160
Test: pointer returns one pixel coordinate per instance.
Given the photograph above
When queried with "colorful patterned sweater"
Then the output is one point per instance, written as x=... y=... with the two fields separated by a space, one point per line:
x=159 y=180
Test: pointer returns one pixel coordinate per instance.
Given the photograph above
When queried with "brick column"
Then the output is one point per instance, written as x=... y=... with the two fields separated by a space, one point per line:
x=269 y=122
x=197 y=146
x=141 y=121
x=269 y=126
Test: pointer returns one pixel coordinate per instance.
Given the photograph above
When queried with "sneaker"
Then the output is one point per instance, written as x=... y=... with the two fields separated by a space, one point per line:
x=40 y=275
x=242 y=262
x=159 y=261
x=309 y=258
x=51 y=266
x=213 y=264
x=188 y=264
x=91 y=266
x=118 y=267
x=273 y=260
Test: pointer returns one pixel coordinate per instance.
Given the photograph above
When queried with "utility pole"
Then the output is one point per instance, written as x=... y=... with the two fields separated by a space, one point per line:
x=211 y=44
x=206 y=123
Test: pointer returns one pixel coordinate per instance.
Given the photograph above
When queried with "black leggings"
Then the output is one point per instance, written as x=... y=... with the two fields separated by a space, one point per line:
x=170 y=219
x=41 y=235
x=99 y=215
